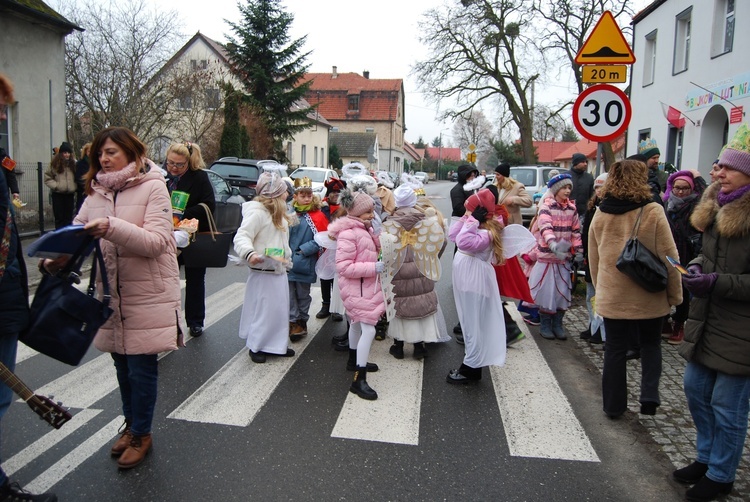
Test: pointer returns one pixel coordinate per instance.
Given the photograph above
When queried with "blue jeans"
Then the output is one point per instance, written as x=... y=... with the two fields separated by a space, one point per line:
x=719 y=404
x=8 y=345
x=137 y=376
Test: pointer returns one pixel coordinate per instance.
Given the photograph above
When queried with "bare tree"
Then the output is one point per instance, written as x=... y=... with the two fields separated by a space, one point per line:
x=473 y=128
x=482 y=50
x=548 y=126
x=567 y=25
x=110 y=66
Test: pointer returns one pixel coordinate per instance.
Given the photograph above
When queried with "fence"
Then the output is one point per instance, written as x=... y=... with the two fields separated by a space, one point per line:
x=36 y=216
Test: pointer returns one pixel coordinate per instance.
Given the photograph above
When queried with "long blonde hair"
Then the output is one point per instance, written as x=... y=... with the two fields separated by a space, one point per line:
x=495 y=228
x=190 y=151
x=506 y=184
x=277 y=208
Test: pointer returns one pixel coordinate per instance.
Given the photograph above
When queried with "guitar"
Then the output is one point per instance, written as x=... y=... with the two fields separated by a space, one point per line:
x=53 y=413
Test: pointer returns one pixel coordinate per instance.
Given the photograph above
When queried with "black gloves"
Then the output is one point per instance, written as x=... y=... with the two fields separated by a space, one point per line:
x=479 y=214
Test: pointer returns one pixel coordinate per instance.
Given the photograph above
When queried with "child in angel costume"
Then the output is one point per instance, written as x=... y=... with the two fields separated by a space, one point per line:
x=412 y=241
x=478 y=237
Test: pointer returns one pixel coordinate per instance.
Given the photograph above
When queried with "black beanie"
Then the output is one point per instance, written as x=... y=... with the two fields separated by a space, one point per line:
x=503 y=169
x=65 y=147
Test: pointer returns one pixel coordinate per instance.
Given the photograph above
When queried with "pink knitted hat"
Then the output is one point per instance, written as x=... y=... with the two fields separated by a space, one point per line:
x=360 y=204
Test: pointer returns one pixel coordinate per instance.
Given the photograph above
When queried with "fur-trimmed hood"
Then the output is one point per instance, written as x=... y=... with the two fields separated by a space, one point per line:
x=731 y=219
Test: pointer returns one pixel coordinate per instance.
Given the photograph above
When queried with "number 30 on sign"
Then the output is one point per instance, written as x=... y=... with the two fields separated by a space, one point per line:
x=601 y=113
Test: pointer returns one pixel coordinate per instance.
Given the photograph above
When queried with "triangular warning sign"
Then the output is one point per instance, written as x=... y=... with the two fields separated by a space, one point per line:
x=606 y=44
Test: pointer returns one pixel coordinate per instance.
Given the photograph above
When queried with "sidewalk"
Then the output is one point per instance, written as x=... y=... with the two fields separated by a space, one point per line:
x=672 y=426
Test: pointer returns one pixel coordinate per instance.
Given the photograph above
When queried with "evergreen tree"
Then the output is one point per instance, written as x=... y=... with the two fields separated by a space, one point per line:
x=270 y=67
x=334 y=159
x=569 y=134
x=231 y=142
x=420 y=143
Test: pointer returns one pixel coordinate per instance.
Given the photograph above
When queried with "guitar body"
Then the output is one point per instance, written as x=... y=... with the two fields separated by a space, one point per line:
x=49 y=411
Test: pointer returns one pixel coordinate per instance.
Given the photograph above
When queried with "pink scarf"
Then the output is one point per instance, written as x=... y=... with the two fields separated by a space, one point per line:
x=117 y=180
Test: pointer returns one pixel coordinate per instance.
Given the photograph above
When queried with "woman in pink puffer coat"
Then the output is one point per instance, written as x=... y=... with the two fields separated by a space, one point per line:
x=358 y=267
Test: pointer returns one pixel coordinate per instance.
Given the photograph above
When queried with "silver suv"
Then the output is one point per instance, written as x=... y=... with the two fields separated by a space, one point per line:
x=535 y=180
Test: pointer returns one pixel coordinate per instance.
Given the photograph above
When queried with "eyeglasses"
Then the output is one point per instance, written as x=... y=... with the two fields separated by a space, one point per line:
x=681 y=189
x=178 y=165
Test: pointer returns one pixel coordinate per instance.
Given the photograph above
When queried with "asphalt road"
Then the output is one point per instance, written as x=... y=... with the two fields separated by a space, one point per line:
x=228 y=429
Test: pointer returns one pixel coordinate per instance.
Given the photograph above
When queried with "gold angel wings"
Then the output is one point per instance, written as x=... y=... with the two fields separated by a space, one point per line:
x=425 y=240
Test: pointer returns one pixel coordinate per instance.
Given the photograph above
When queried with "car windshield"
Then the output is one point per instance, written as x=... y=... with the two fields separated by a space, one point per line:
x=314 y=175
x=525 y=176
x=236 y=171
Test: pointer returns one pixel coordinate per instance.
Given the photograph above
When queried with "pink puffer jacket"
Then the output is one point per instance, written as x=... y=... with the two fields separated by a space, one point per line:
x=140 y=256
x=356 y=253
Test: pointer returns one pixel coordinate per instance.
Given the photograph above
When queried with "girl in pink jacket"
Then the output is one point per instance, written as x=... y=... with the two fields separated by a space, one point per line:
x=358 y=267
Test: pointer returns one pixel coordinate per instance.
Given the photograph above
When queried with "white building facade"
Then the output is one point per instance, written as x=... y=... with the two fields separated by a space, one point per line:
x=690 y=56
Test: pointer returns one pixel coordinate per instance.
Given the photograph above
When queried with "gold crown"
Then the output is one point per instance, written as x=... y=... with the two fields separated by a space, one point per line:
x=302 y=183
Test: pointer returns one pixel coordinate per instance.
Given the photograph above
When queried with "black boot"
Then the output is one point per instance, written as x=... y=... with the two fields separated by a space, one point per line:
x=596 y=338
x=397 y=349
x=323 y=312
x=381 y=328
x=359 y=385
x=464 y=374
x=351 y=364
x=586 y=334
x=420 y=351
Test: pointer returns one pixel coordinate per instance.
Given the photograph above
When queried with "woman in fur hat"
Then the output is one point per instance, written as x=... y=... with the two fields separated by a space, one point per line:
x=717 y=341
x=478 y=237
x=60 y=177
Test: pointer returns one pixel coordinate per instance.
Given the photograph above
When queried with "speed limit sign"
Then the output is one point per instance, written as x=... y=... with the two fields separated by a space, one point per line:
x=601 y=113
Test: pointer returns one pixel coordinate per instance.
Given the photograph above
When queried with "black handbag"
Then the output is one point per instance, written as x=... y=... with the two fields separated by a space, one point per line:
x=64 y=320
x=640 y=264
x=208 y=249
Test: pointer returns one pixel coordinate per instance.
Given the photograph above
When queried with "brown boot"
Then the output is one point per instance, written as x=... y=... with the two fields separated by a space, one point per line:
x=297 y=332
x=123 y=441
x=136 y=452
x=679 y=334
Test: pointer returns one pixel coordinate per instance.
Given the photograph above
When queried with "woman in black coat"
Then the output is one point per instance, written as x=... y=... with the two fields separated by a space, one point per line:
x=185 y=174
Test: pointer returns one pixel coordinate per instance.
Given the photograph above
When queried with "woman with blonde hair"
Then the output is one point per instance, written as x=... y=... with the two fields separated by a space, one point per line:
x=185 y=174
x=625 y=306
x=511 y=193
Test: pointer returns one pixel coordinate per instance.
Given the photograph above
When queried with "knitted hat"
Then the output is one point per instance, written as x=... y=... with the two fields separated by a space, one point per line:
x=356 y=203
x=503 y=169
x=270 y=185
x=405 y=196
x=578 y=158
x=686 y=179
x=66 y=148
x=557 y=182
x=639 y=157
x=483 y=198
x=335 y=185
x=648 y=148
x=736 y=154
x=599 y=181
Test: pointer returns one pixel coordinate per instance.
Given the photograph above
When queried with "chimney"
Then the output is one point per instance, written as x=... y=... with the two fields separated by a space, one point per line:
x=334 y=74
x=366 y=74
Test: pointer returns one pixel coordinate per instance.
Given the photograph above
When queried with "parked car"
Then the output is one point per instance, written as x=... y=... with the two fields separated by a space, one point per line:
x=228 y=211
x=240 y=173
x=422 y=177
x=454 y=177
x=318 y=176
x=535 y=180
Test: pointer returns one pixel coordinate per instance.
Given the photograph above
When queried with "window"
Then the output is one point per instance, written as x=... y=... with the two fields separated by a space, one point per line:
x=186 y=103
x=289 y=151
x=682 y=42
x=5 y=131
x=649 y=59
x=323 y=159
x=315 y=158
x=197 y=65
x=334 y=129
x=213 y=99
x=303 y=156
x=369 y=129
x=643 y=134
x=722 y=38
x=354 y=103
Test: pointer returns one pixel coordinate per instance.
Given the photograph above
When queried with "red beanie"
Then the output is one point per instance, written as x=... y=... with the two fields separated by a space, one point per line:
x=484 y=198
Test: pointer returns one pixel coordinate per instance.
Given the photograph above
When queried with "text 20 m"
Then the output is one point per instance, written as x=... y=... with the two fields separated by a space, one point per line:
x=604 y=74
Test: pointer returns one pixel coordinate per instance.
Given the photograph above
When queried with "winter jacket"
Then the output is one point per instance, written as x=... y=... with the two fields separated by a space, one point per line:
x=305 y=250
x=583 y=189
x=356 y=253
x=414 y=293
x=257 y=233
x=557 y=222
x=140 y=256
x=514 y=199
x=585 y=238
x=656 y=184
x=617 y=295
x=198 y=186
x=64 y=182
x=14 y=290
x=686 y=237
x=716 y=333
x=458 y=194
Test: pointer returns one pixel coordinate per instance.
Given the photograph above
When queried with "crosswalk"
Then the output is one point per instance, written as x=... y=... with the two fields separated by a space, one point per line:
x=235 y=394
